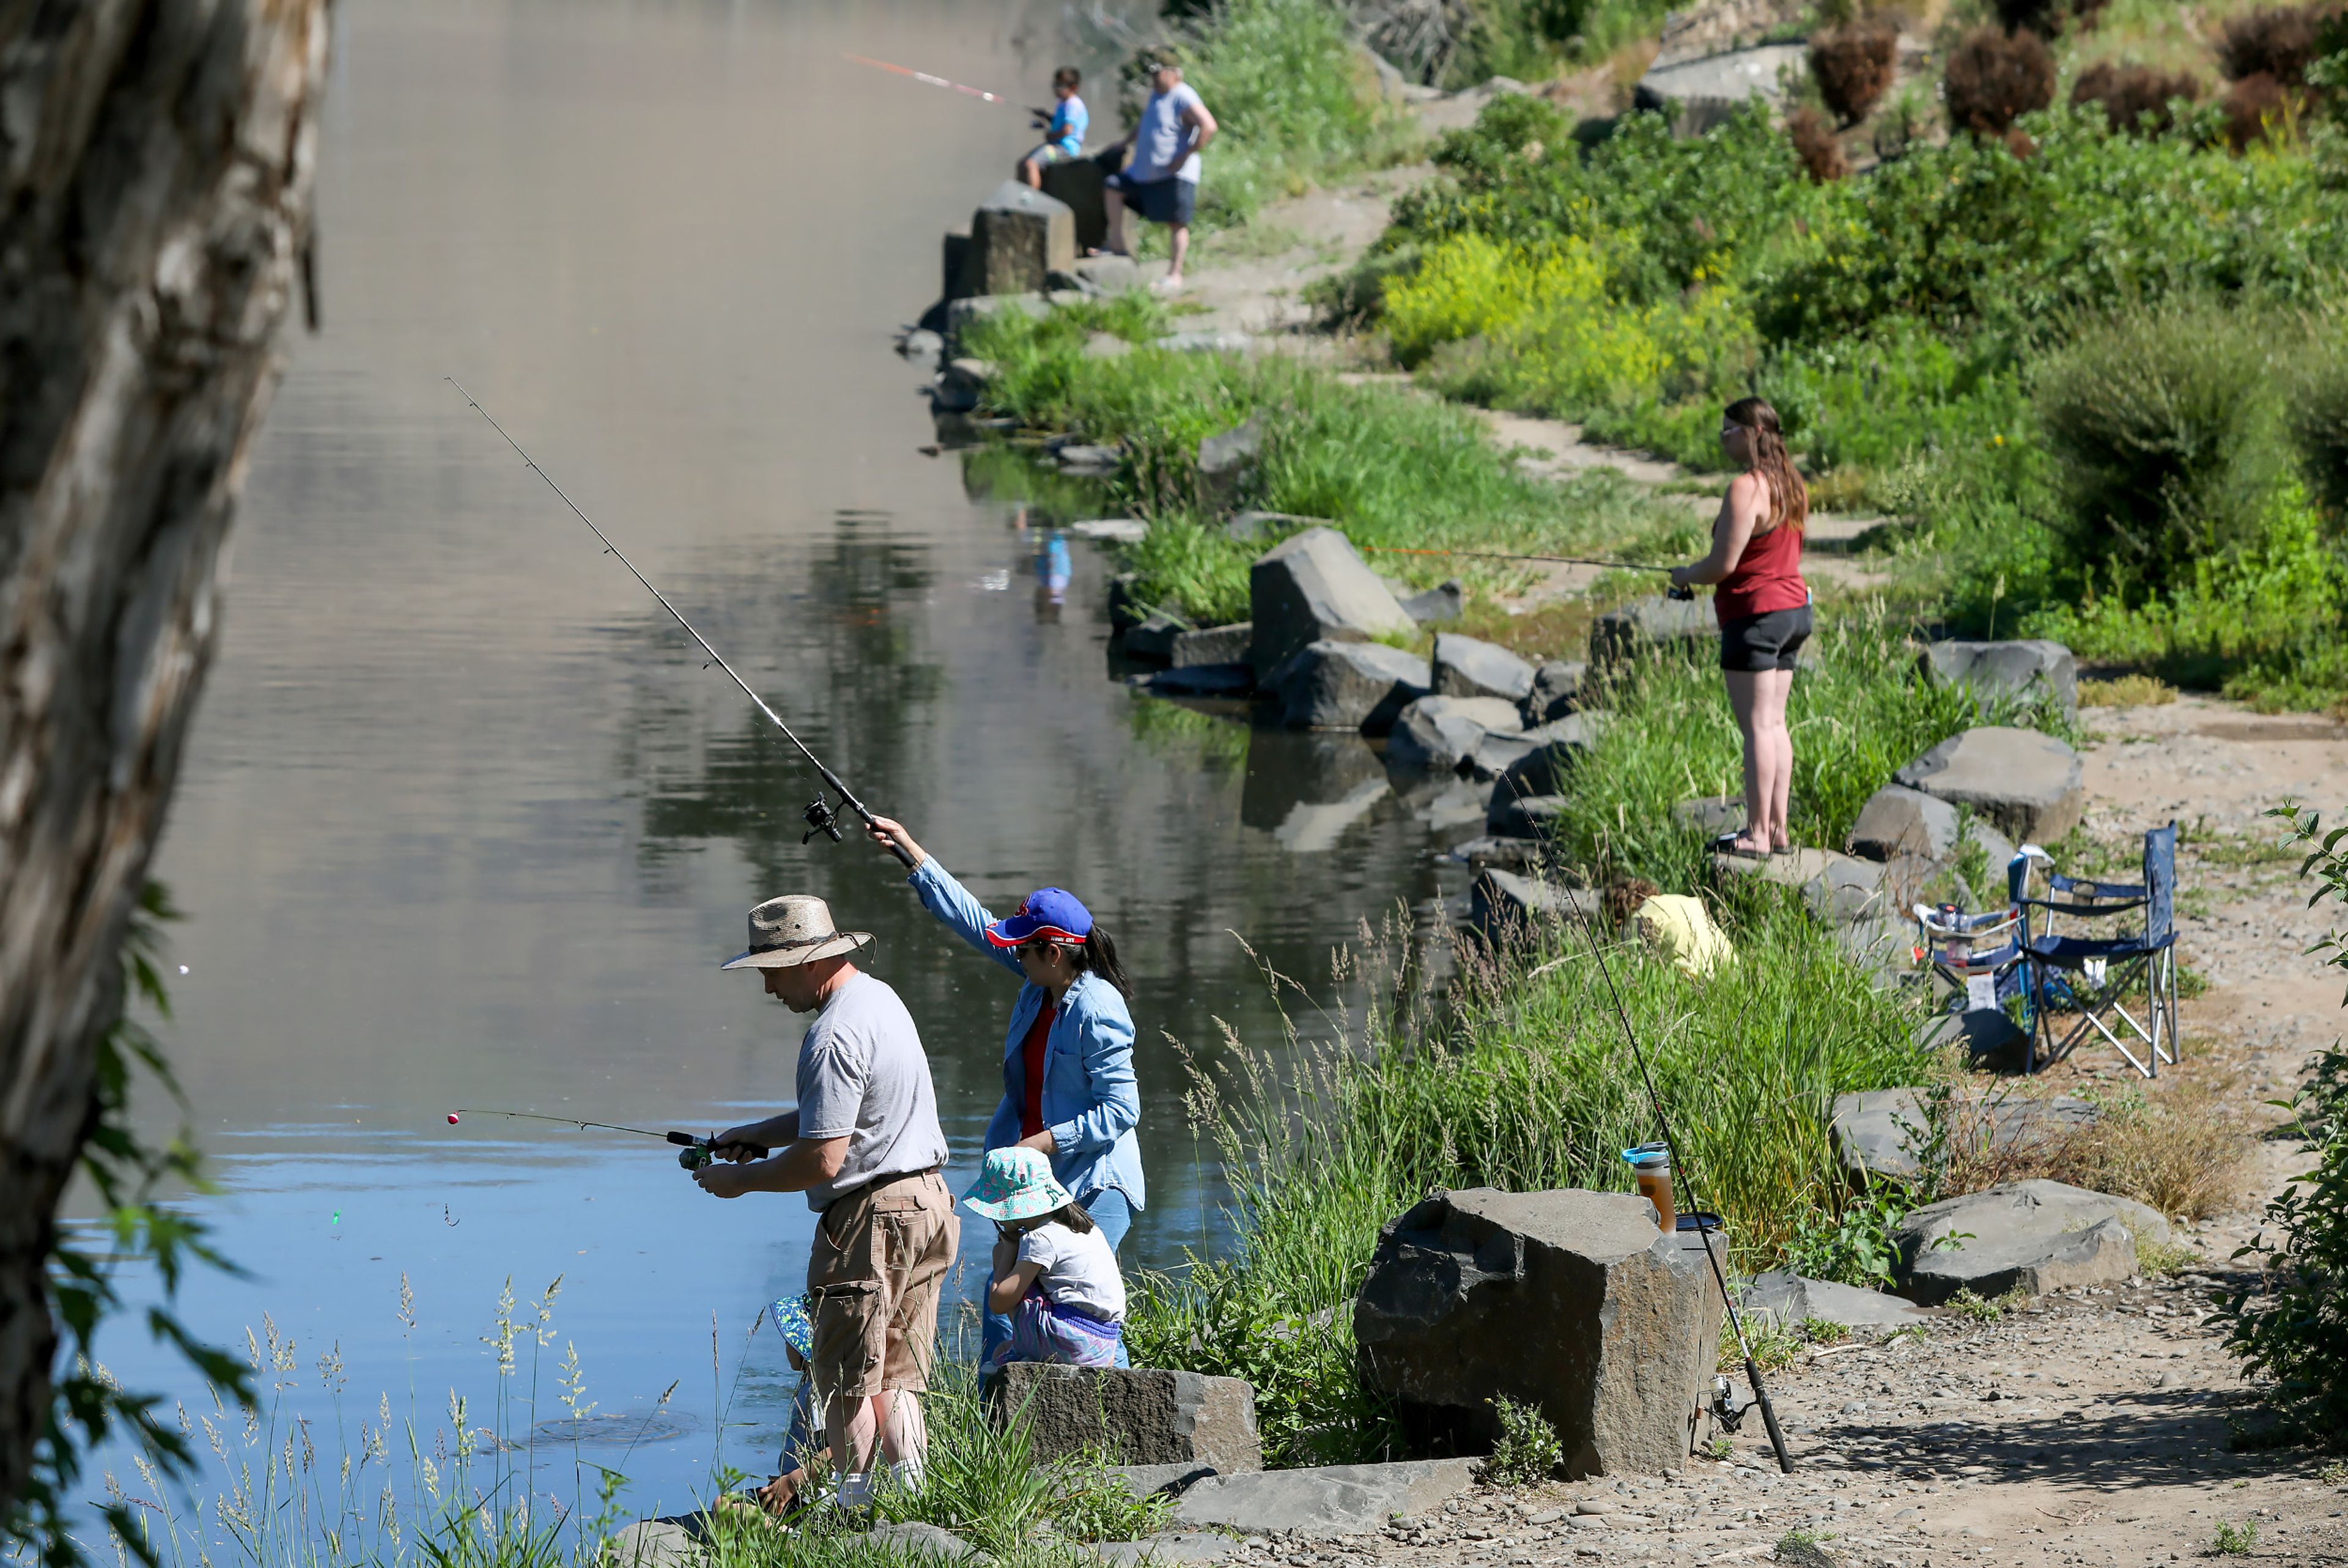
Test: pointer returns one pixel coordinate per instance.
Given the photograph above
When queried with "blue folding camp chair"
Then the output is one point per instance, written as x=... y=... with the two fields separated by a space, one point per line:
x=2091 y=977
x=1979 y=957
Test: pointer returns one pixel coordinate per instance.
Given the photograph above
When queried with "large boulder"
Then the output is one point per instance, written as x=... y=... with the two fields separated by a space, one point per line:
x=2030 y=785
x=1897 y=820
x=1017 y=237
x=1213 y=645
x=1556 y=691
x=1790 y=1300
x=1333 y=1500
x=1638 y=629
x=1134 y=1415
x=1359 y=686
x=2031 y=1237
x=1437 y=735
x=1570 y=1301
x=1466 y=667
x=1153 y=639
x=2035 y=668
x=1505 y=908
x=1881 y=1132
x=1446 y=600
x=1540 y=760
x=1076 y=183
x=1313 y=587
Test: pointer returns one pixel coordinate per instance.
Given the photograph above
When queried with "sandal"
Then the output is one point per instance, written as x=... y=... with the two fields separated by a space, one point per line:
x=1726 y=845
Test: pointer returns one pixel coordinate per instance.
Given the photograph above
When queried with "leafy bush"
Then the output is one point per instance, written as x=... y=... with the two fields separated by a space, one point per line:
x=2319 y=419
x=2167 y=425
x=2280 y=42
x=1993 y=78
x=1857 y=1247
x=2135 y=98
x=1853 y=65
x=1528 y=1451
x=2293 y=1328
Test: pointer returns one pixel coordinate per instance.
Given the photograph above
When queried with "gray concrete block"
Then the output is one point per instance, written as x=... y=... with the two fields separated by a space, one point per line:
x=1790 y=1300
x=1335 y=1500
x=1017 y=237
x=1639 y=629
x=1556 y=691
x=1140 y=1417
x=1467 y=667
x=1435 y=735
x=1314 y=586
x=1213 y=645
x=2030 y=785
x=2033 y=668
x=2033 y=1236
x=1361 y=686
x=1897 y=820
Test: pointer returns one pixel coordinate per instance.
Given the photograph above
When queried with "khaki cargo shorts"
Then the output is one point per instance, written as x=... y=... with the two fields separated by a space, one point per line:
x=877 y=1268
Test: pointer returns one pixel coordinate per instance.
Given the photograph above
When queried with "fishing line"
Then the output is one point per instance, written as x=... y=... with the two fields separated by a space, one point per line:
x=696 y=1152
x=1752 y=1371
x=820 y=817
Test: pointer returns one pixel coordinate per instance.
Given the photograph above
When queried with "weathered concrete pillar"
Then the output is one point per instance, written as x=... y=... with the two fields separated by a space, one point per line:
x=1015 y=238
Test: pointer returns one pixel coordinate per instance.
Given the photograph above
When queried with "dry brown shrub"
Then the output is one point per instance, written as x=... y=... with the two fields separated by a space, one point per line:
x=1854 y=65
x=1815 y=144
x=2280 y=42
x=2046 y=17
x=2178 y=1150
x=1992 y=79
x=2126 y=93
x=2254 y=106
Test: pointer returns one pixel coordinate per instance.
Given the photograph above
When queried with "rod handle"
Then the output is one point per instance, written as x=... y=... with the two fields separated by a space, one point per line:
x=1768 y=1416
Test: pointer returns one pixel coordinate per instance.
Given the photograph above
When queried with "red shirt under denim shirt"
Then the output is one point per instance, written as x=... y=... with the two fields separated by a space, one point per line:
x=1030 y=1057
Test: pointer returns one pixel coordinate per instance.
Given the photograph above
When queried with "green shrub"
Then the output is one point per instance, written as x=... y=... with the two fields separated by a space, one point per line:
x=2291 y=1330
x=2235 y=1540
x=2319 y=419
x=2166 y=423
x=1528 y=1451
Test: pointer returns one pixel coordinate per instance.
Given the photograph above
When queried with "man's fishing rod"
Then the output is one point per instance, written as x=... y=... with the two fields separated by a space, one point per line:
x=696 y=1152
x=1752 y=1371
x=1676 y=591
x=820 y=816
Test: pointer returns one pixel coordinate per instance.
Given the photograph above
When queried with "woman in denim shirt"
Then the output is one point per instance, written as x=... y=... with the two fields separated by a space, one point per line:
x=1067 y=1058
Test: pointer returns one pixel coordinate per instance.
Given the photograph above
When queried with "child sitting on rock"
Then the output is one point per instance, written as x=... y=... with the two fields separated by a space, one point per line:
x=1055 y=1276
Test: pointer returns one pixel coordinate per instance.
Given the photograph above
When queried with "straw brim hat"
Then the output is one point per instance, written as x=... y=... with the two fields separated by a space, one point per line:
x=1015 y=1185
x=793 y=929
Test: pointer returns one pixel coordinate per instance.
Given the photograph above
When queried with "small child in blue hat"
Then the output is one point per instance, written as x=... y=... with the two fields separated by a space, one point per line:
x=1055 y=1274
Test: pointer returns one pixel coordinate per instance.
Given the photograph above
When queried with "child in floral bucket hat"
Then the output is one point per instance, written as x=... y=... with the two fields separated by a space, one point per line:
x=1054 y=1275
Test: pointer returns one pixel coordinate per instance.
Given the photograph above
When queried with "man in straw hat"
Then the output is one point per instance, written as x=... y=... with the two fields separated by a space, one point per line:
x=865 y=1146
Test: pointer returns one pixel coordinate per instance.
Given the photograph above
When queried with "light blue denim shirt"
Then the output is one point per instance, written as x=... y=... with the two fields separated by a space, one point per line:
x=1090 y=1102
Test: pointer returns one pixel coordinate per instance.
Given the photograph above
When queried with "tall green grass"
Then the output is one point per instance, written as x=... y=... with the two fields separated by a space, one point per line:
x=1524 y=1082
x=1391 y=467
x=1858 y=713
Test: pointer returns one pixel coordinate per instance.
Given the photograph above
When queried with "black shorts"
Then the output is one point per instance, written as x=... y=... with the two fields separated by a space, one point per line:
x=1765 y=641
x=1167 y=201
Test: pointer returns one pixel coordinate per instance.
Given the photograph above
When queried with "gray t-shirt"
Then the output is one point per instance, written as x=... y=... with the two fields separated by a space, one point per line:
x=863 y=1077
x=1080 y=1272
x=1161 y=135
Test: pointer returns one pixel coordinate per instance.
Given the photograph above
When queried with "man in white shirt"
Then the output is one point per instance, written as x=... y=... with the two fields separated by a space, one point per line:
x=1160 y=180
x=866 y=1148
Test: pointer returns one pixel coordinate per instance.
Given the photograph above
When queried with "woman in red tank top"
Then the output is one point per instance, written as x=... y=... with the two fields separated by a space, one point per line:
x=1764 y=608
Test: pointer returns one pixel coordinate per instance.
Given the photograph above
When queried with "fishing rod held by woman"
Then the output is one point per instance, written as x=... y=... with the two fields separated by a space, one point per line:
x=1069 y=1088
x=1764 y=608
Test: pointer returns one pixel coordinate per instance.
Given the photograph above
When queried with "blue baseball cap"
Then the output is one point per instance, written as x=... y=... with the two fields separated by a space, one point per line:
x=1051 y=912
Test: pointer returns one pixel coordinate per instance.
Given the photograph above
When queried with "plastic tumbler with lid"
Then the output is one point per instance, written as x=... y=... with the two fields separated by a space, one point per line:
x=1651 y=1166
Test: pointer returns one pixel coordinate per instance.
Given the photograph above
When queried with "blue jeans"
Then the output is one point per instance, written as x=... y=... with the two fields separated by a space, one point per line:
x=1114 y=1215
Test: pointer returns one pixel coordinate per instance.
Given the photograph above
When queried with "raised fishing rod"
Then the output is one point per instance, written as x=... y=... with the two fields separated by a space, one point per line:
x=1676 y=591
x=694 y=1153
x=928 y=80
x=1752 y=1369
x=820 y=816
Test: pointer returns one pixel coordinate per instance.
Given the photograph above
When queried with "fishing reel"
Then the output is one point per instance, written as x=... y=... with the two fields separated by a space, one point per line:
x=693 y=1153
x=822 y=817
x=1680 y=591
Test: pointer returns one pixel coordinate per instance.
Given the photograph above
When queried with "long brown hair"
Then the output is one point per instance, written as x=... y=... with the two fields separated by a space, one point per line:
x=1789 y=498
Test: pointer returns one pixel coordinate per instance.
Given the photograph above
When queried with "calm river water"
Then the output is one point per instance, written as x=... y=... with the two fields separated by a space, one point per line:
x=465 y=825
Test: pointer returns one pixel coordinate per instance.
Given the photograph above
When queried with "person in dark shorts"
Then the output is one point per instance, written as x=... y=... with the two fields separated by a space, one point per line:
x=1764 y=608
x=1161 y=180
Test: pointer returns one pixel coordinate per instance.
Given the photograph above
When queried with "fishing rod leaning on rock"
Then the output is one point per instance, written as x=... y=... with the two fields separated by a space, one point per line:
x=1728 y=1298
x=1674 y=591
x=820 y=816
x=691 y=1152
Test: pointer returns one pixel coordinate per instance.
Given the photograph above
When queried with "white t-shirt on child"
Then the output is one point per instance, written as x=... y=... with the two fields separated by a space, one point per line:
x=1080 y=1272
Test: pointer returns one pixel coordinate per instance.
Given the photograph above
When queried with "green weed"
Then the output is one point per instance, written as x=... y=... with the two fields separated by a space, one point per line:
x=1976 y=1308
x=1528 y=1451
x=2235 y=1540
